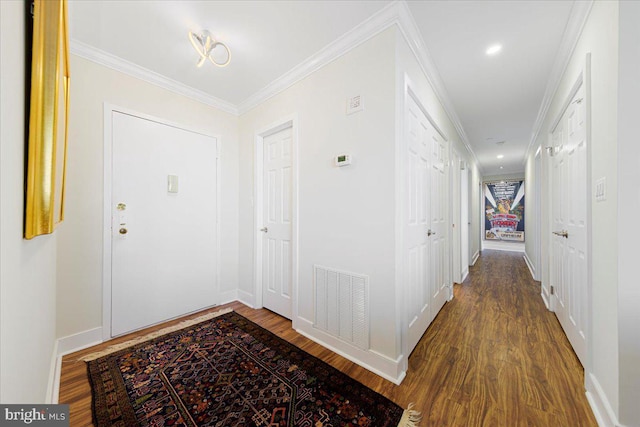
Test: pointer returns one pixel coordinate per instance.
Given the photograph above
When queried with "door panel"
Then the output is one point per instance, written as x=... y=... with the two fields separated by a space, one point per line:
x=438 y=224
x=166 y=263
x=569 y=206
x=277 y=252
x=417 y=140
x=426 y=222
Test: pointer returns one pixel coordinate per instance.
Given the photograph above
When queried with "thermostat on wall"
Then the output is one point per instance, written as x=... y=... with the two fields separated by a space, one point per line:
x=343 y=160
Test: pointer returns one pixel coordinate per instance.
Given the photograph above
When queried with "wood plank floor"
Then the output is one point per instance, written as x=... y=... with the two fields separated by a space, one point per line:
x=494 y=356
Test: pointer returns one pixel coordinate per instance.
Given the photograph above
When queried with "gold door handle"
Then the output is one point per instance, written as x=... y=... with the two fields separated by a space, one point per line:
x=123 y=231
x=562 y=233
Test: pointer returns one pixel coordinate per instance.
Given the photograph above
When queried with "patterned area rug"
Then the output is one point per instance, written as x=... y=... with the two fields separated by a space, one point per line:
x=228 y=371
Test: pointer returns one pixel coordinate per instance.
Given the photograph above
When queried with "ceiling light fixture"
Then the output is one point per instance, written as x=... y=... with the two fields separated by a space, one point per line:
x=204 y=44
x=492 y=50
x=500 y=156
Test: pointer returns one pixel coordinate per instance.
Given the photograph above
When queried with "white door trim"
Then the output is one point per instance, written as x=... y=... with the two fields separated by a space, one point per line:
x=108 y=110
x=284 y=123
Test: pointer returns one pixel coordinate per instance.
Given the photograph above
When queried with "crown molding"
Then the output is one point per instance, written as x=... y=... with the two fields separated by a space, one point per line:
x=374 y=25
x=572 y=32
x=412 y=35
x=395 y=13
x=116 y=63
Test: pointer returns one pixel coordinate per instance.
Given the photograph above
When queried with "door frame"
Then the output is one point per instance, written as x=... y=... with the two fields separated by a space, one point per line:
x=108 y=110
x=583 y=79
x=290 y=121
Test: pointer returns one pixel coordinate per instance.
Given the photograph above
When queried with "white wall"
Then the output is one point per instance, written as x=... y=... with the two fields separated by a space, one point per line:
x=628 y=208
x=345 y=214
x=530 y=208
x=80 y=237
x=600 y=38
x=475 y=229
x=409 y=66
x=27 y=267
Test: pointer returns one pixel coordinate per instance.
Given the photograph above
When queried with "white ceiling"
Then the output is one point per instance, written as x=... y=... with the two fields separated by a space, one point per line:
x=496 y=98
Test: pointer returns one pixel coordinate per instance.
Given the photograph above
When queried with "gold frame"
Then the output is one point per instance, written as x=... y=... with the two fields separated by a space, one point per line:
x=48 y=119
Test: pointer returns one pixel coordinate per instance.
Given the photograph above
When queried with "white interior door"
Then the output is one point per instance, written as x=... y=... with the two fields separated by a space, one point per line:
x=439 y=223
x=164 y=222
x=464 y=223
x=570 y=257
x=416 y=210
x=277 y=222
x=456 y=235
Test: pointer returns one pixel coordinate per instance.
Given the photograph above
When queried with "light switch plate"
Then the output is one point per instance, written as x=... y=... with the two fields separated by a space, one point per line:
x=601 y=189
x=354 y=104
x=172 y=183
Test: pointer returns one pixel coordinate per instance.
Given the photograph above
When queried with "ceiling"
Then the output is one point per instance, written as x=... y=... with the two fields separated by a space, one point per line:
x=496 y=98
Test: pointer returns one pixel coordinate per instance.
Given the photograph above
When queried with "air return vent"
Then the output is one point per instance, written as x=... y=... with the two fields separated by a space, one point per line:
x=342 y=305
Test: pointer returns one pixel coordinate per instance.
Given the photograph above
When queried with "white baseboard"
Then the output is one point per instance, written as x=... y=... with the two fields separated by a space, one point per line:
x=246 y=298
x=599 y=403
x=532 y=270
x=53 y=385
x=503 y=246
x=228 y=296
x=475 y=257
x=545 y=299
x=371 y=360
x=465 y=274
x=64 y=346
x=79 y=341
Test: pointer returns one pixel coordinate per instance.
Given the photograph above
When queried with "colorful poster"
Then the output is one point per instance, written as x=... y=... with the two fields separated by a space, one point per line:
x=504 y=211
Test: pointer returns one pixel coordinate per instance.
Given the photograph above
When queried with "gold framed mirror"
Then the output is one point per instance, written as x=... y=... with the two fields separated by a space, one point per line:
x=48 y=118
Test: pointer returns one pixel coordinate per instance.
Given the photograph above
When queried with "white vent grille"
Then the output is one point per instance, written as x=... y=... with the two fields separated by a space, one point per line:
x=342 y=305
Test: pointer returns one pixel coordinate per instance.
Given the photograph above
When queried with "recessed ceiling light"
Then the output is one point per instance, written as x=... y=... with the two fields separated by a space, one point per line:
x=492 y=50
x=500 y=156
x=501 y=167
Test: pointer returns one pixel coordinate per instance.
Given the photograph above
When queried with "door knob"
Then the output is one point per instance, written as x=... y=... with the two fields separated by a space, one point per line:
x=264 y=229
x=123 y=231
x=429 y=233
x=562 y=233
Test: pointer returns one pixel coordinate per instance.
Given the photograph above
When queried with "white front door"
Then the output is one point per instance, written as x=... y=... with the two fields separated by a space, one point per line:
x=570 y=266
x=163 y=221
x=439 y=223
x=277 y=222
x=416 y=211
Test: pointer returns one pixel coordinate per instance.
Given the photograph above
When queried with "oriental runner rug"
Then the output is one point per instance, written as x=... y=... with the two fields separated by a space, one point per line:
x=228 y=371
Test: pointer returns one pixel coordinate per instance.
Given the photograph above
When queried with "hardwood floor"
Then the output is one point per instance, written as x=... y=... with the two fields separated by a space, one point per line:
x=494 y=356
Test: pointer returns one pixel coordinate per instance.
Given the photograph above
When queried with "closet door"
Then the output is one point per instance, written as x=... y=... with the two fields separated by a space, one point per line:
x=569 y=263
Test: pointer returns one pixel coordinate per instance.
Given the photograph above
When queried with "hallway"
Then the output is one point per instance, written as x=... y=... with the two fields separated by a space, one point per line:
x=494 y=356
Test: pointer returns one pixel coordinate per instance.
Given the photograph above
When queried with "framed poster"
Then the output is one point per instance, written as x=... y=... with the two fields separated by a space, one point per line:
x=504 y=211
x=48 y=117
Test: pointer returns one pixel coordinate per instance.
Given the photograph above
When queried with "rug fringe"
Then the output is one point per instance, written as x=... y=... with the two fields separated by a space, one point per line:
x=148 y=337
x=410 y=417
